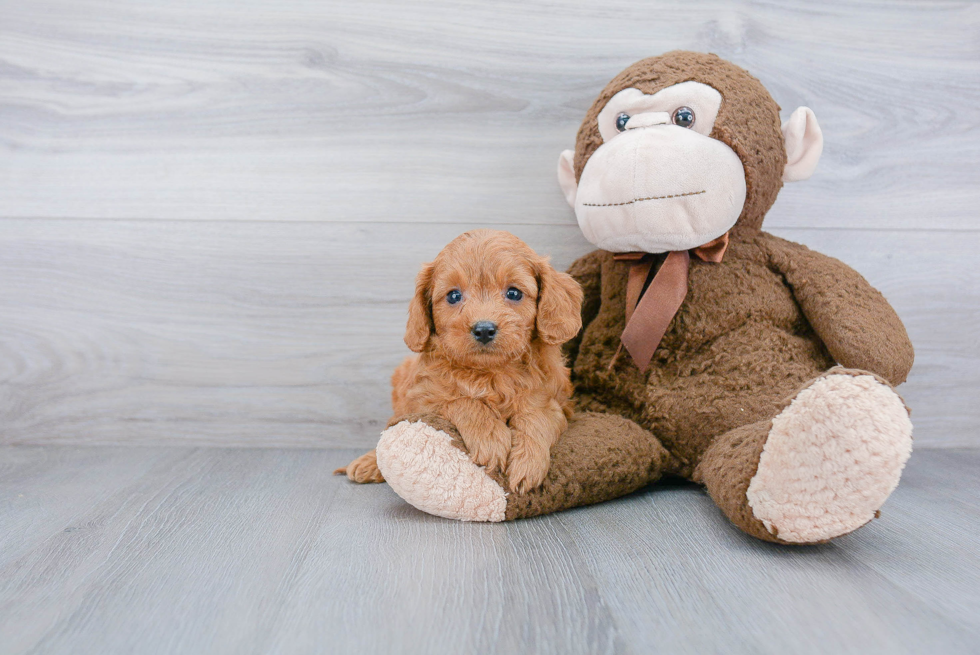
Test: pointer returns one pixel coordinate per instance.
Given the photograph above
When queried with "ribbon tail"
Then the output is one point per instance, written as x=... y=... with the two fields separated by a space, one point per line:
x=656 y=309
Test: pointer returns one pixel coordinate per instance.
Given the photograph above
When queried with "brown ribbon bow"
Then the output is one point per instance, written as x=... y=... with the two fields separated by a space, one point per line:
x=647 y=318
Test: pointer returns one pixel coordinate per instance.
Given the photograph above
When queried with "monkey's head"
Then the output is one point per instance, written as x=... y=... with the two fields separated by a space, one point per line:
x=679 y=149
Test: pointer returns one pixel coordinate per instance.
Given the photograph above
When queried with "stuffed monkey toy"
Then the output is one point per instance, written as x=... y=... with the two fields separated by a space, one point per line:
x=710 y=349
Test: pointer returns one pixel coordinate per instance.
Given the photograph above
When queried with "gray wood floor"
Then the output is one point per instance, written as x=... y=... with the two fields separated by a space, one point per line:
x=189 y=550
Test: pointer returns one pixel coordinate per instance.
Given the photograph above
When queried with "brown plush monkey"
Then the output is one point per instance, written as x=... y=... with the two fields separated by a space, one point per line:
x=710 y=349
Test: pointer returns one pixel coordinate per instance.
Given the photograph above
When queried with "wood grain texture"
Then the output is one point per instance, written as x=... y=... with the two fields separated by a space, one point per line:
x=212 y=213
x=444 y=110
x=262 y=551
x=266 y=334
x=261 y=334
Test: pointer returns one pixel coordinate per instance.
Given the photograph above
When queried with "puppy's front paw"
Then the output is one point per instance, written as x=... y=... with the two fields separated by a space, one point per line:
x=528 y=466
x=362 y=470
x=490 y=451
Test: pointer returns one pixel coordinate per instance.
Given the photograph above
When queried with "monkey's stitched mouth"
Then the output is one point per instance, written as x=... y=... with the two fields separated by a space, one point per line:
x=635 y=200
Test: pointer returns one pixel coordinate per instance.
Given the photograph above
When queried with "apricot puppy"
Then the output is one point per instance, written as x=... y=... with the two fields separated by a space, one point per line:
x=489 y=318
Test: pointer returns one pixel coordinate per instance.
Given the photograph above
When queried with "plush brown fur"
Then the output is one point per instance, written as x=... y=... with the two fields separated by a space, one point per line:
x=753 y=329
x=509 y=399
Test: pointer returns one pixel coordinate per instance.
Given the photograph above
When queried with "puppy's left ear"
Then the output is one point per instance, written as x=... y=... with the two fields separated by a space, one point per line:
x=420 y=325
x=559 y=305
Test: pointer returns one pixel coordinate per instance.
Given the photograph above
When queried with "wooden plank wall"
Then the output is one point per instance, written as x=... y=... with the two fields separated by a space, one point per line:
x=211 y=213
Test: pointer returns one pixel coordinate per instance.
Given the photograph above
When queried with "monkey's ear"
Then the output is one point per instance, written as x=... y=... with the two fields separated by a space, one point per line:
x=804 y=144
x=566 y=176
x=559 y=305
x=420 y=325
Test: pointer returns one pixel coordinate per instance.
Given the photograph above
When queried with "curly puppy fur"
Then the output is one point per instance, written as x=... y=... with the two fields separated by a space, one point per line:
x=509 y=398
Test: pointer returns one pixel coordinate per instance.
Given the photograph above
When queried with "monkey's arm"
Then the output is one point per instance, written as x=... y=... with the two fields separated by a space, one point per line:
x=852 y=318
x=587 y=271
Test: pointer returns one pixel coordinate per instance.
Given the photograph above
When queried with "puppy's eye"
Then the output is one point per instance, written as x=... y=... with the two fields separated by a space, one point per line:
x=683 y=116
x=621 y=121
x=454 y=296
x=514 y=293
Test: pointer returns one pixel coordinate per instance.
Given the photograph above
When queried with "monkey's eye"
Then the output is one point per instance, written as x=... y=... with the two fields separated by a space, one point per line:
x=454 y=296
x=621 y=121
x=683 y=116
x=514 y=294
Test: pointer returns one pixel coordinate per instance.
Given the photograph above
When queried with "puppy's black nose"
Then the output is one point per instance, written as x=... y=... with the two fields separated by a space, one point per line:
x=484 y=331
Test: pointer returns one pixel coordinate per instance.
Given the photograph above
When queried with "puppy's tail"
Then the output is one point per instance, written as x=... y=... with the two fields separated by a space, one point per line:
x=400 y=383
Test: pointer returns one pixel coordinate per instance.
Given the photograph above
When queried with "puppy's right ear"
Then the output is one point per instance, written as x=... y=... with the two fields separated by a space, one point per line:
x=420 y=325
x=559 y=304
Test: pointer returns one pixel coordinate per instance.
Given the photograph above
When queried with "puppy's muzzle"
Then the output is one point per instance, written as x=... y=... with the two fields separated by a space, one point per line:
x=484 y=331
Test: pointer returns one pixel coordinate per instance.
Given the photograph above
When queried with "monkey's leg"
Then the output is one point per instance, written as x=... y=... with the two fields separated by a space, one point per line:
x=599 y=457
x=821 y=468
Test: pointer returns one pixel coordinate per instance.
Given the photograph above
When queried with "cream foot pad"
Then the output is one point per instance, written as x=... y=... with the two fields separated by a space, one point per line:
x=831 y=459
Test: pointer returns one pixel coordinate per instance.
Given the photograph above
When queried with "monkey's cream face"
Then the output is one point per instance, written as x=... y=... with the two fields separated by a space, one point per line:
x=658 y=182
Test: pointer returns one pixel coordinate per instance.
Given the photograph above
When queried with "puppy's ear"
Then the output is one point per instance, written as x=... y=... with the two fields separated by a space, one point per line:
x=420 y=325
x=559 y=305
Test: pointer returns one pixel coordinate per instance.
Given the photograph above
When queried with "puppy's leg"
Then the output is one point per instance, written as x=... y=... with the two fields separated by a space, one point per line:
x=362 y=470
x=486 y=436
x=536 y=429
x=401 y=381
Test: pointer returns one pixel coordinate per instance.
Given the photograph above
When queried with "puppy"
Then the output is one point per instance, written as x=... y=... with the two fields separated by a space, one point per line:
x=489 y=318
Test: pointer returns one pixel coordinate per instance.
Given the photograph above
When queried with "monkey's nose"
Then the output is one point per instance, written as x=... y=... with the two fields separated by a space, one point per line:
x=484 y=331
x=648 y=119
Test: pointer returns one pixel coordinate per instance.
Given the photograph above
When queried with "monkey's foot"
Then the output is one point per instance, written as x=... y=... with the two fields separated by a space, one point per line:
x=831 y=459
x=429 y=472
